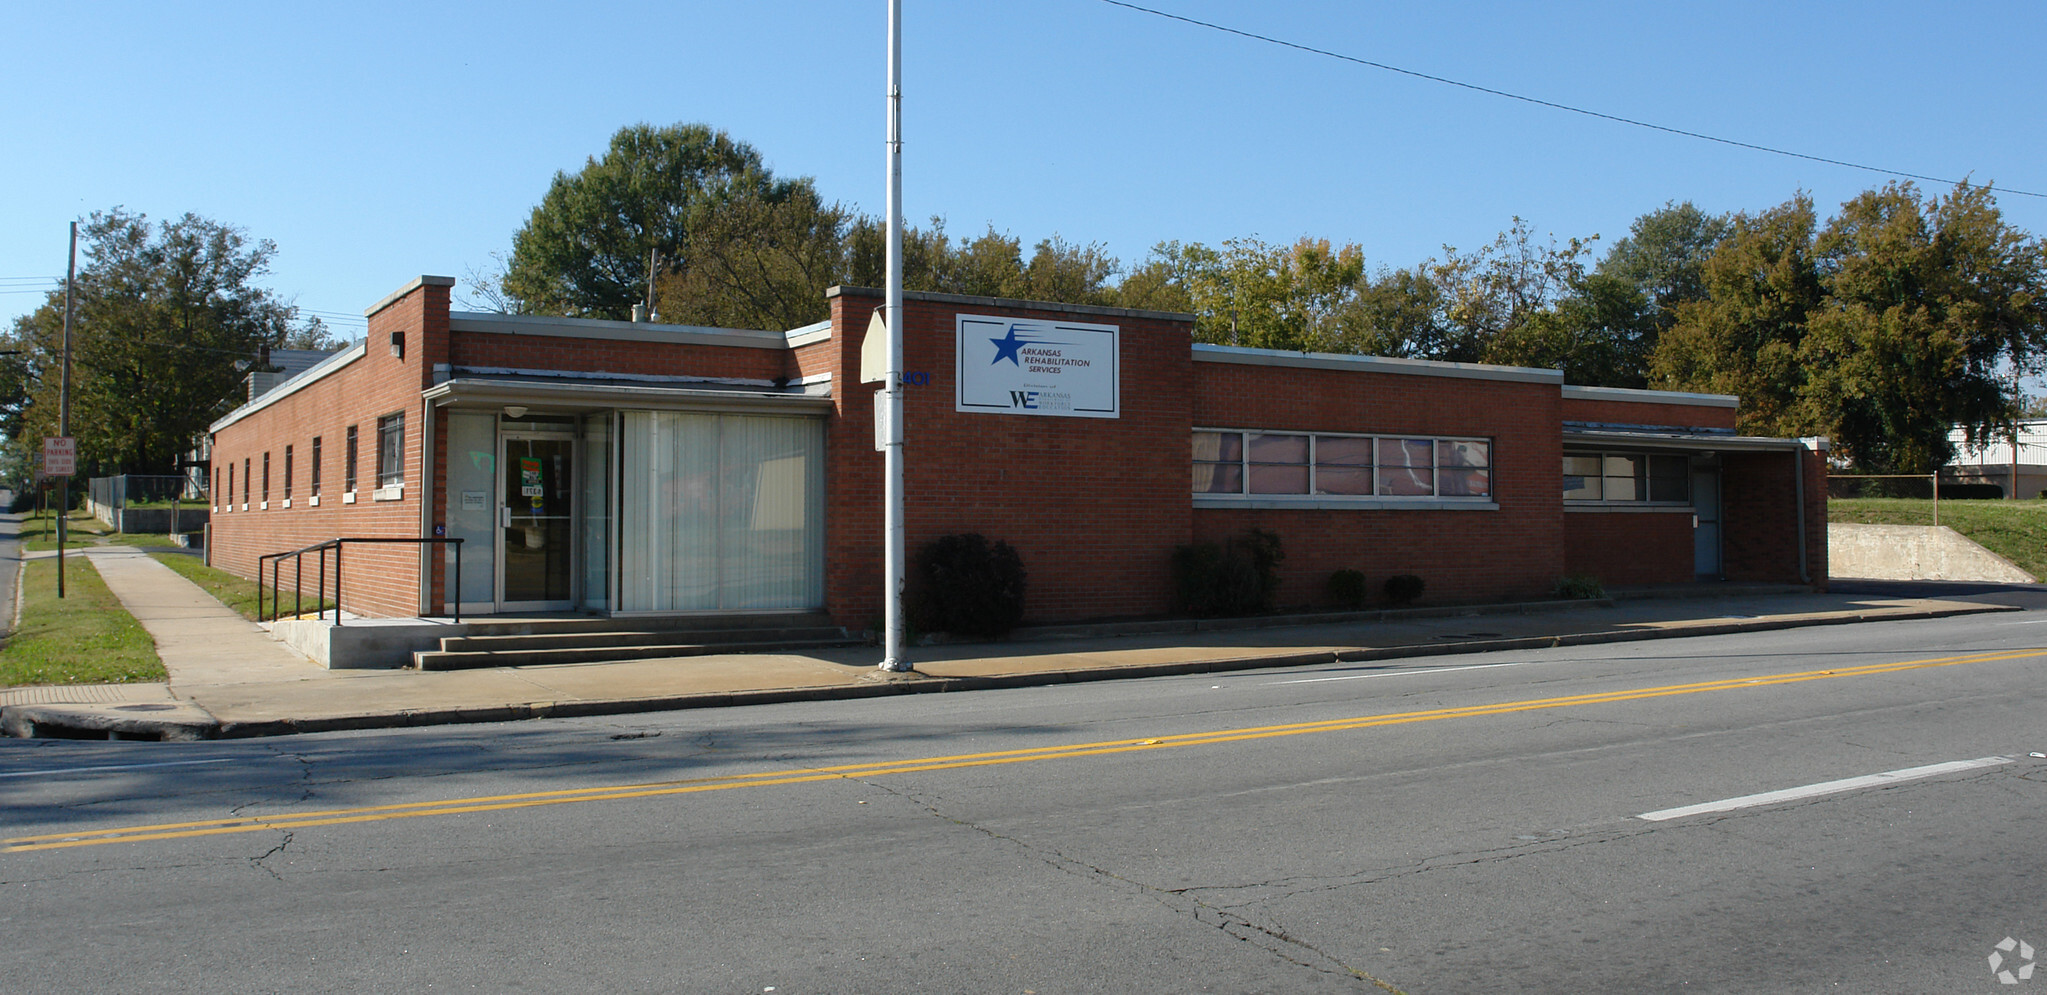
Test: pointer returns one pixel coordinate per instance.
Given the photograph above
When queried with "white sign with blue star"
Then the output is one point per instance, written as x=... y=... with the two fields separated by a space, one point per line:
x=1016 y=366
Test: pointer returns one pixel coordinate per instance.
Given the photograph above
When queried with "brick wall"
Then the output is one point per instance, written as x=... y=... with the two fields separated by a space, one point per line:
x=1620 y=547
x=1761 y=517
x=380 y=580
x=1516 y=551
x=589 y=355
x=1605 y=411
x=1094 y=506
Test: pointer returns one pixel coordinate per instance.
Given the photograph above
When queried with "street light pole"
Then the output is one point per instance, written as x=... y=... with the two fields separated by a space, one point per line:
x=892 y=387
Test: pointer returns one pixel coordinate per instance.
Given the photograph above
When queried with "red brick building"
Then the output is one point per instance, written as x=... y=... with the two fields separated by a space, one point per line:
x=622 y=468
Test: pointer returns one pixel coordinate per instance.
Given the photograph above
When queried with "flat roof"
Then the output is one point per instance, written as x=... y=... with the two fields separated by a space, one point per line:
x=1691 y=441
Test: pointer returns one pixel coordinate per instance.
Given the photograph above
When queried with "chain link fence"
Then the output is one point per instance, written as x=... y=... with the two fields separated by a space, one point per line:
x=165 y=503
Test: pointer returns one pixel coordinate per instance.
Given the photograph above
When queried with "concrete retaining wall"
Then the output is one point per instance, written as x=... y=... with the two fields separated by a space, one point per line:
x=1915 y=552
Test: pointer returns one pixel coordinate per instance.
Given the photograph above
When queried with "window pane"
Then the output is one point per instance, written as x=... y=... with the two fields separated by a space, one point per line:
x=1227 y=447
x=1337 y=450
x=1669 y=478
x=1218 y=478
x=1279 y=449
x=1581 y=478
x=1465 y=482
x=1343 y=480
x=1271 y=479
x=1406 y=467
x=1463 y=452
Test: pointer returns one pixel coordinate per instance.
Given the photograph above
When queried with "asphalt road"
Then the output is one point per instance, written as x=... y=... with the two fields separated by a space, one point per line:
x=1467 y=824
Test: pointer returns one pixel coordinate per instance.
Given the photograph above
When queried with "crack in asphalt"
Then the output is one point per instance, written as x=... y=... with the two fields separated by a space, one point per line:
x=258 y=860
x=1273 y=940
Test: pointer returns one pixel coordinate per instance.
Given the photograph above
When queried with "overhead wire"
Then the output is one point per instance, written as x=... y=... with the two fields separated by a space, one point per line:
x=1283 y=43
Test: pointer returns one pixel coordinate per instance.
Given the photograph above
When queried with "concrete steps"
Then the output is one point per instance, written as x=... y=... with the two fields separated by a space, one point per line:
x=537 y=642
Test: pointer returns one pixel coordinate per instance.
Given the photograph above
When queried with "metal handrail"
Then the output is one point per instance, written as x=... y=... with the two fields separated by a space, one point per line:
x=276 y=563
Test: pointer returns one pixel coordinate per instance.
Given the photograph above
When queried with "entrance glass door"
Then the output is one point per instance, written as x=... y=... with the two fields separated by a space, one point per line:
x=536 y=535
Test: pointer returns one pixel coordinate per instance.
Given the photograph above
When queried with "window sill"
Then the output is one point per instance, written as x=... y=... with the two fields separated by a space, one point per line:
x=1308 y=502
x=1631 y=508
x=388 y=493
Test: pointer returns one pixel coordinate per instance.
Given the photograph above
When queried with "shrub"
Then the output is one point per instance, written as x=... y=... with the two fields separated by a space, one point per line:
x=963 y=585
x=1347 y=588
x=1403 y=588
x=1580 y=586
x=1239 y=577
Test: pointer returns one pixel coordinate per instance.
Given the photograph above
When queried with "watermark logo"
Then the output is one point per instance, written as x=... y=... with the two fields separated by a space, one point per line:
x=2014 y=969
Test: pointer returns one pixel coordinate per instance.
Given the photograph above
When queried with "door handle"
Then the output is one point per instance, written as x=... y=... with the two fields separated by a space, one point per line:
x=505 y=516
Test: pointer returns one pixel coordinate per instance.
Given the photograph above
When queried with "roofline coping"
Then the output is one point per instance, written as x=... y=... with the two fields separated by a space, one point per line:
x=1206 y=353
x=1638 y=395
x=1011 y=302
x=484 y=390
x=414 y=284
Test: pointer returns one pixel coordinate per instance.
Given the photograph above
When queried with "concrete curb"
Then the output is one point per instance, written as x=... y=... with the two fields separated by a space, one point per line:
x=915 y=683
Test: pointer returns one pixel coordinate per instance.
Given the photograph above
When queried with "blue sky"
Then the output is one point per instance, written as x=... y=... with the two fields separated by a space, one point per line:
x=376 y=142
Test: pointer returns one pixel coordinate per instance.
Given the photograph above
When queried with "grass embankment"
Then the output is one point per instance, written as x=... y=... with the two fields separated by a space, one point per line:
x=2015 y=530
x=86 y=637
x=81 y=529
x=235 y=592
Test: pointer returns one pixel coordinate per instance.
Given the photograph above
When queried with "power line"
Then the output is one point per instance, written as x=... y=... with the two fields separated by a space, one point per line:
x=1557 y=106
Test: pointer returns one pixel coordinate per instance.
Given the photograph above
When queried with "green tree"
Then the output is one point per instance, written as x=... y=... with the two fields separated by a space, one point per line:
x=1663 y=257
x=1929 y=303
x=761 y=261
x=167 y=322
x=1899 y=319
x=1761 y=285
x=586 y=250
x=1253 y=293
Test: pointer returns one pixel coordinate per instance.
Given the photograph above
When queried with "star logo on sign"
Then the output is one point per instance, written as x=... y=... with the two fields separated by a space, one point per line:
x=1006 y=347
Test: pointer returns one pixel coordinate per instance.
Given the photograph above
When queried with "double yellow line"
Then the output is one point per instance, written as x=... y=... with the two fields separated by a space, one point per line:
x=761 y=779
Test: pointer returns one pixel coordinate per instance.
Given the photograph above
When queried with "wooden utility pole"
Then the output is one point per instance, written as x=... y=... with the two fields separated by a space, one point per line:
x=64 y=405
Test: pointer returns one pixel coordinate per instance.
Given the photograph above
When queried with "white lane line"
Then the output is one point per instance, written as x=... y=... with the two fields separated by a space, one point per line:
x=1403 y=673
x=1825 y=788
x=94 y=770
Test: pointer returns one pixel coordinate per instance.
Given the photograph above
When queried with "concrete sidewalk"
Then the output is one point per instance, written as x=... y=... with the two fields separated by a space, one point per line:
x=229 y=678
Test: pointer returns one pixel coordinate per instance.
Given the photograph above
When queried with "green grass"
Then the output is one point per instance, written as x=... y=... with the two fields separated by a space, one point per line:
x=237 y=593
x=81 y=529
x=2015 y=530
x=85 y=637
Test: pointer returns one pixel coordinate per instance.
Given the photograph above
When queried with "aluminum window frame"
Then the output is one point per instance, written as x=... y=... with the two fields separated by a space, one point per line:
x=1645 y=481
x=1316 y=465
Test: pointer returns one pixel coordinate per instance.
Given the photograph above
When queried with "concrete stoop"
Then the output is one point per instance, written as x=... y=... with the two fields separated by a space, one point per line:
x=521 y=644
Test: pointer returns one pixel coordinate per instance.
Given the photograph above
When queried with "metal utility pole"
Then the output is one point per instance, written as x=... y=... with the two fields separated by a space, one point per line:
x=892 y=387
x=64 y=405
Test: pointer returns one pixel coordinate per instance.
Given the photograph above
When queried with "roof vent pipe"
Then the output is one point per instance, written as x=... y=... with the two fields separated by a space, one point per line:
x=639 y=312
